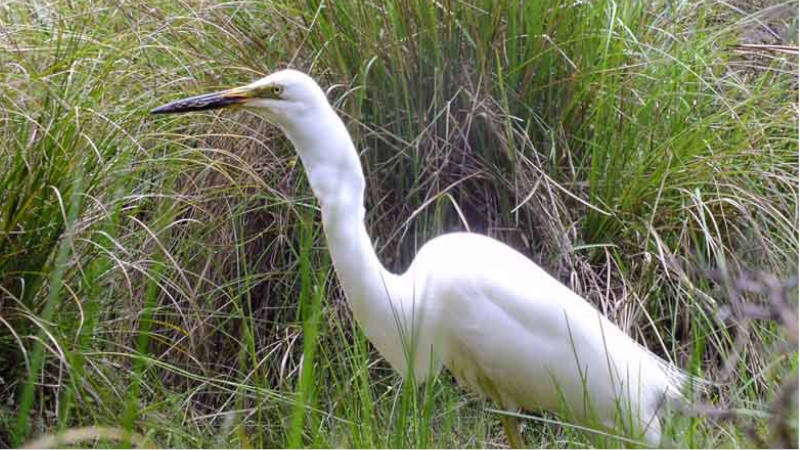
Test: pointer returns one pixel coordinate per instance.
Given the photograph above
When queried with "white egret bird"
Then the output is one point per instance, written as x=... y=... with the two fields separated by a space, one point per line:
x=503 y=326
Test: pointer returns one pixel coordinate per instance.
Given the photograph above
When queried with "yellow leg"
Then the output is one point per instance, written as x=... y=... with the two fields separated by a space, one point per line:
x=511 y=427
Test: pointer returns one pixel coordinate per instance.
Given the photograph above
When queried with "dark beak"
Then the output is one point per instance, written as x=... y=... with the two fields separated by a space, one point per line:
x=215 y=100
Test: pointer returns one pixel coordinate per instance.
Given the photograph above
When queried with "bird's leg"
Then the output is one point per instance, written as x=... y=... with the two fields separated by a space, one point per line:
x=511 y=427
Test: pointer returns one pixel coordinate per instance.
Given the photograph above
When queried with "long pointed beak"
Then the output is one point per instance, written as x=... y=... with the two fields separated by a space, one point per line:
x=214 y=100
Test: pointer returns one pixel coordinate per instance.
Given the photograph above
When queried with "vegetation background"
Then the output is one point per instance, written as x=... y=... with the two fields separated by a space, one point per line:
x=164 y=281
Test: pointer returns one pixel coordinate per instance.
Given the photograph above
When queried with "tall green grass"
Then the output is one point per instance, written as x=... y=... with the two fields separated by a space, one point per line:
x=168 y=277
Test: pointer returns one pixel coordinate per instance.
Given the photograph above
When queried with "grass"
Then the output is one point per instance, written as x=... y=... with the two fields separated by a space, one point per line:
x=167 y=278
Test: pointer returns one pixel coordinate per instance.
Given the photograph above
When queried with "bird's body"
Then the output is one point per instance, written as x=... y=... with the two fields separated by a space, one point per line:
x=509 y=331
x=503 y=326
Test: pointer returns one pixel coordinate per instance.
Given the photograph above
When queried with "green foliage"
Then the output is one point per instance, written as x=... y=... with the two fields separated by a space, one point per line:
x=168 y=276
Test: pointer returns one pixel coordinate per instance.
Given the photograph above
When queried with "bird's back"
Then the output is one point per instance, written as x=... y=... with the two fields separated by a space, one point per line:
x=508 y=330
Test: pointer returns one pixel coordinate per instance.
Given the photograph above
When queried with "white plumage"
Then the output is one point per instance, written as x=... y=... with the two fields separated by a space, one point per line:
x=503 y=326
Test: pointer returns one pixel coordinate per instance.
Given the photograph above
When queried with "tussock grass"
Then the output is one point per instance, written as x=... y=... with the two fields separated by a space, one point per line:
x=168 y=278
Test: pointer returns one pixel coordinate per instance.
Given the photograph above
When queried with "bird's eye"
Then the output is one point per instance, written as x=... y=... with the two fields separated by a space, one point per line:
x=277 y=90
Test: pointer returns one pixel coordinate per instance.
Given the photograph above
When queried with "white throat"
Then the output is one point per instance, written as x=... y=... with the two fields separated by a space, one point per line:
x=336 y=177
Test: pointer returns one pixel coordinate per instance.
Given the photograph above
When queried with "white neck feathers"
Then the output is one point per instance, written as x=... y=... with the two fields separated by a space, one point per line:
x=336 y=177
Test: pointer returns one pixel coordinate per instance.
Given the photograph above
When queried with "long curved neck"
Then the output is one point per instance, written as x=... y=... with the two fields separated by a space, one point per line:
x=336 y=177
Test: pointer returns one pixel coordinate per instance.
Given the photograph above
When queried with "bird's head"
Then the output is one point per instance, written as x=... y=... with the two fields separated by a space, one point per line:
x=295 y=102
x=284 y=97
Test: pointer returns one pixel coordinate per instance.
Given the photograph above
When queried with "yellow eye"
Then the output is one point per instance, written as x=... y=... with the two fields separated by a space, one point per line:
x=277 y=90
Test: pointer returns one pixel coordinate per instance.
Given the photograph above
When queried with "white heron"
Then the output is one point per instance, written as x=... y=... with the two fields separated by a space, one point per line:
x=503 y=327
